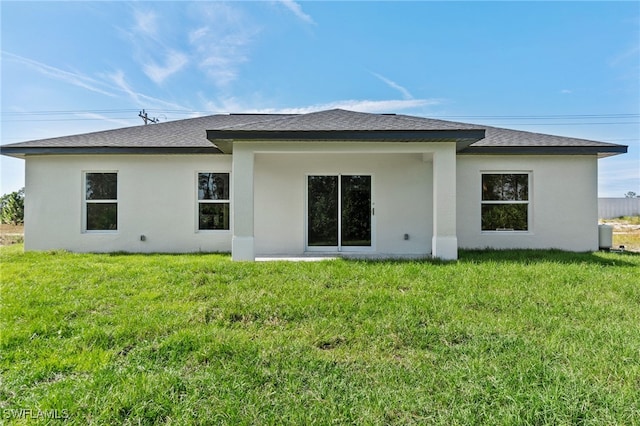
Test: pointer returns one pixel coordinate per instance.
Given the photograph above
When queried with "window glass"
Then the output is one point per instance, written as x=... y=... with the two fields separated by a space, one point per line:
x=102 y=216
x=505 y=187
x=213 y=201
x=322 y=210
x=101 y=201
x=356 y=210
x=102 y=186
x=213 y=186
x=503 y=217
x=213 y=216
x=505 y=202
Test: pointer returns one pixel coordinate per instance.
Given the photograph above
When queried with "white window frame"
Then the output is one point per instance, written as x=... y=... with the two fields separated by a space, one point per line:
x=86 y=201
x=528 y=202
x=199 y=201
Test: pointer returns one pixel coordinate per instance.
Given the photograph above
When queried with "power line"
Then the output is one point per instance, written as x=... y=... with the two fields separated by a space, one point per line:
x=538 y=117
x=67 y=119
x=182 y=111
x=69 y=112
x=571 y=124
x=95 y=111
x=617 y=119
x=155 y=120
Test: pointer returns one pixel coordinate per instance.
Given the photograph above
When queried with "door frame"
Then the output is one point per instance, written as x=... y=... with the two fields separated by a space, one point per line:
x=339 y=248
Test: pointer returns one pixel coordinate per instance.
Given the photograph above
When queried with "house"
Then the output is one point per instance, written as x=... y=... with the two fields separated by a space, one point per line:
x=326 y=182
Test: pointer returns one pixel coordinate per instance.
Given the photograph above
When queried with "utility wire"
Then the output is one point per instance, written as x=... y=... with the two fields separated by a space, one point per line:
x=525 y=120
x=504 y=117
x=130 y=118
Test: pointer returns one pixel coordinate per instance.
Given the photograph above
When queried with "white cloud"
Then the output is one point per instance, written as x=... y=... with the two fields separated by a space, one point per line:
x=197 y=34
x=112 y=85
x=119 y=80
x=146 y=22
x=174 y=62
x=297 y=10
x=73 y=78
x=228 y=104
x=364 y=105
x=104 y=118
x=630 y=55
x=233 y=105
x=218 y=36
x=152 y=50
x=404 y=92
x=221 y=41
x=140 y=99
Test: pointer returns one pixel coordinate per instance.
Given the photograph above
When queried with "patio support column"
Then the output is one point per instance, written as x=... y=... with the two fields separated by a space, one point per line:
x=444 y=244
x=242 y=244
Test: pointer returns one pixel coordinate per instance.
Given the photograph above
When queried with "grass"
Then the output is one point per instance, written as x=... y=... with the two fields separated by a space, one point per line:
x=629 y=220
x=515 y=337
x=631 y=241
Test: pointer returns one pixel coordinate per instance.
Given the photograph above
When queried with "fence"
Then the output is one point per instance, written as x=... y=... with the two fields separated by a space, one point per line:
x=609 y=208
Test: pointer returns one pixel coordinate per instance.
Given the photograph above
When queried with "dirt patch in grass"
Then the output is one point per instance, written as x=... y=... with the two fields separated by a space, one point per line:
x=626 y=232
x=11 y=234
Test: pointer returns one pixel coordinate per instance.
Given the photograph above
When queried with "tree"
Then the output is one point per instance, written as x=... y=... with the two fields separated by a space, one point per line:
x=12 y=207
x=630 y=194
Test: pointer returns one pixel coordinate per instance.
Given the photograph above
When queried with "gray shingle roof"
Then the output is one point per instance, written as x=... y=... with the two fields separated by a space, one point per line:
x=190 y=135
x=341 y=120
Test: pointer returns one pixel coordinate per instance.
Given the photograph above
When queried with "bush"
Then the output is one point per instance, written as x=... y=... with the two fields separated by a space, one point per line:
x=12 y=207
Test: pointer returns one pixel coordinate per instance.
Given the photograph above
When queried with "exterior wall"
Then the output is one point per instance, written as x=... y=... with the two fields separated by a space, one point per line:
x=562 y=193
x=402 y=197
x=156 y=198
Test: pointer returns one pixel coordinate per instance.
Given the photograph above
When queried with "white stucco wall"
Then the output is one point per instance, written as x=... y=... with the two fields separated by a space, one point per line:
x=156 y=198
x=563 y=197
x=402 y=197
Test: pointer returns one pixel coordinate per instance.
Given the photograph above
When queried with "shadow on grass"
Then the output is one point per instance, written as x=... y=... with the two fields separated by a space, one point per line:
x=518 y=256
x=551 y=256
x=527 y=257
x=193 y=253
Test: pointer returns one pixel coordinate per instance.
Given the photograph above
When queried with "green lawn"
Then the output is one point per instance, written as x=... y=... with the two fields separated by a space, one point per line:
x=522 y=337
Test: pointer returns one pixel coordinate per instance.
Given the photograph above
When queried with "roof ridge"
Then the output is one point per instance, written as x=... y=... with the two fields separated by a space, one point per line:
x=273 y=117
x=416 y=118
x=279 y=117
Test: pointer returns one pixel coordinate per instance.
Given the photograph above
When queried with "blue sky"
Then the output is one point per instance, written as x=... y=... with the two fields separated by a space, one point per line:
x=565 y=68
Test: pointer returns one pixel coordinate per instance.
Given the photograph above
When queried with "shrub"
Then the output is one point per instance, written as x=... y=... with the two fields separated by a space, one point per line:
x=12 y=207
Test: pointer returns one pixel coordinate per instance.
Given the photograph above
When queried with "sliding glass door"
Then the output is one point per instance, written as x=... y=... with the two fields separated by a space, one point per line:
x=339 y=212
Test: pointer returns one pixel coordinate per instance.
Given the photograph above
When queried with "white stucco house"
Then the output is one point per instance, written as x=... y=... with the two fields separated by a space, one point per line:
x=326 y=182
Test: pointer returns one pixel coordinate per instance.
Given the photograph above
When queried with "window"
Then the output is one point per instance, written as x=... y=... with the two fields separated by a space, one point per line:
x=101 y=201
x=339 y=211
x=505 y=201
x=213 y=201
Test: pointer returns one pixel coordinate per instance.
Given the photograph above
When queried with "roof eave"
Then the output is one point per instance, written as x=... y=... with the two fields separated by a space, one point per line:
x=21 y=152
x=600 y=151
x=224 y=139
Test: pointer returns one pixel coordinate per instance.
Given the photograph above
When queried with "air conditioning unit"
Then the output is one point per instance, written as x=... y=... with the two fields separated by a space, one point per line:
x=605 y=237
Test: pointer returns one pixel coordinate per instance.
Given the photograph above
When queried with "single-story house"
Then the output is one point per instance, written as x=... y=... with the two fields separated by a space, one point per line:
x=333 y=182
